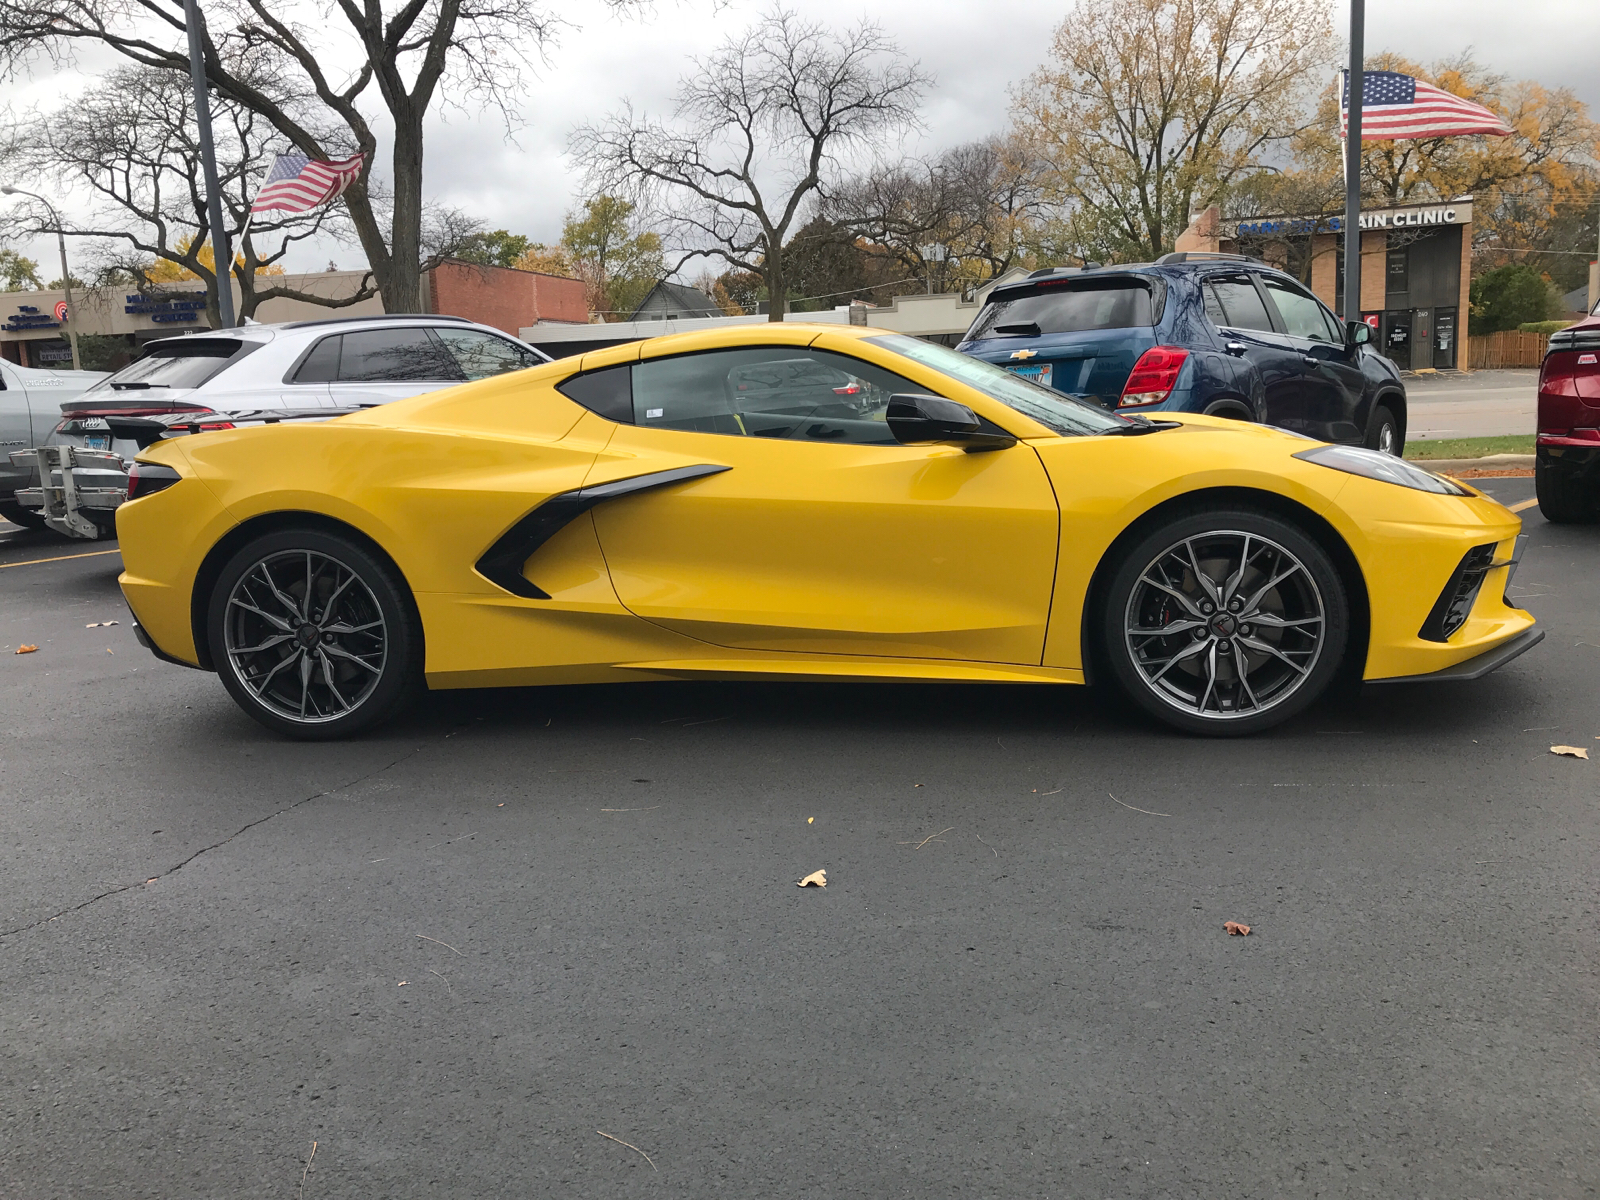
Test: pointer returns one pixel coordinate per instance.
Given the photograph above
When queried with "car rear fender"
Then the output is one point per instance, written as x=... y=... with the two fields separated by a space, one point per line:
x=217 y=558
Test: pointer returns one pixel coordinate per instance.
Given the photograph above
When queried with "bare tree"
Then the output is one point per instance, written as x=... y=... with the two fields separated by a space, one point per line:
x=132 y=143
x=981 y=201
x=757 y=131
x=412 y=53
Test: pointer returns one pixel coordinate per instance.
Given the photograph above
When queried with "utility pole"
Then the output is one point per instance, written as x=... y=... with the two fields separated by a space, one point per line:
x=222 y=253
x=1352 y=166
x=70 y=322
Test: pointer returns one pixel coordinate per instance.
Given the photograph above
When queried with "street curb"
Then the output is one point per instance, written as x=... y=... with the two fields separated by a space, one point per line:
x=1460 y=464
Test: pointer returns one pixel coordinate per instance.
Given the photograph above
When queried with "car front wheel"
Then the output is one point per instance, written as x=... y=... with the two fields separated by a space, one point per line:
x=1224 y=622
x=314 y=636
x=1384 y=432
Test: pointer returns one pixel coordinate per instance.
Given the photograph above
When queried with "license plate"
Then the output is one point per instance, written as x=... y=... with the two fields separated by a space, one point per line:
x=1033 y=372
x=97 y=441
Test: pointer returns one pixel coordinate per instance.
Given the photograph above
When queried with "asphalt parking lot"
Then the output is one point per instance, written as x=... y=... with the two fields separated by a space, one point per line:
x=452 y=954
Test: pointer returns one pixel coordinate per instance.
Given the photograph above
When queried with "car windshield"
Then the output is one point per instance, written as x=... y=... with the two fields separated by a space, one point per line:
x=1074 y=308
x=1058 y=413
x=185 y=364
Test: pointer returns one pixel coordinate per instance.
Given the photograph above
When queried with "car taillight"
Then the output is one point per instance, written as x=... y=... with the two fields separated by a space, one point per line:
x=851 y=389
x=146 y=479
x=1154 y=376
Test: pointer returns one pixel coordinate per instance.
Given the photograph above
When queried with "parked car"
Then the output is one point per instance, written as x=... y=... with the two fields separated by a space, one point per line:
x=335 y=363
x=625 y=516
x=1566 y=471
x=30 y=407
x=1218 y=334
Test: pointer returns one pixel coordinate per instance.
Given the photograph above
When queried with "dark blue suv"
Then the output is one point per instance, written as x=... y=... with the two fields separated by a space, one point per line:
x=1204 y=333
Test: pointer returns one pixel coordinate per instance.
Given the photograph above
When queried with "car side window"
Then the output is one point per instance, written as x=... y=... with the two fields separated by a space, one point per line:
x=789 y=392
x=1233 y=303
x=480 y=355
x=322 y=364
x=1302 y=315
x=395 y=355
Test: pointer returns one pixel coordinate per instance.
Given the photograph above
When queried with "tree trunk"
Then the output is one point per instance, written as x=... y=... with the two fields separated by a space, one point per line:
x=402 y=291
x=777 y=285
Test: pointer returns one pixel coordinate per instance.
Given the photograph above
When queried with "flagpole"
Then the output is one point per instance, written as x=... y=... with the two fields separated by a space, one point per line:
x=222 y=258
x=1352 y=166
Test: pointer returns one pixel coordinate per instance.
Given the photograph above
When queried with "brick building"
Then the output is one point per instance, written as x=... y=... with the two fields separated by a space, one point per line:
x=1416 y=269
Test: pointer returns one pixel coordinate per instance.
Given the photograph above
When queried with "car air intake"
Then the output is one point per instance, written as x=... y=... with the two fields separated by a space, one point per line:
x=1455 y=602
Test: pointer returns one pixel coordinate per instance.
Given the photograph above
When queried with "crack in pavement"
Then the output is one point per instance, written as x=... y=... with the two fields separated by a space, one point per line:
x=65 y=912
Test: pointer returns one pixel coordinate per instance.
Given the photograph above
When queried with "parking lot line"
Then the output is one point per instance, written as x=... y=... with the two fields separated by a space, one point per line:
x=1522 y=504
x=33 y=562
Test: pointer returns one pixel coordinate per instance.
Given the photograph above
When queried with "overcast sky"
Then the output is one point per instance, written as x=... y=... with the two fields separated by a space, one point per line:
x=975 y=51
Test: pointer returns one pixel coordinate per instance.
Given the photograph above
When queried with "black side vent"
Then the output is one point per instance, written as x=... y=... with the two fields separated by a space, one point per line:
x=1455 y=602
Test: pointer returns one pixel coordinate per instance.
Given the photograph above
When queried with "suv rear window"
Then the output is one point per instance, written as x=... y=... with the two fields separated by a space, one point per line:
x=184 y=364
x=1070 y=308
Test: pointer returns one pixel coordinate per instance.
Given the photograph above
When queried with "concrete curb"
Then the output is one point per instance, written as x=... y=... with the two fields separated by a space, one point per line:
x=1488 y=461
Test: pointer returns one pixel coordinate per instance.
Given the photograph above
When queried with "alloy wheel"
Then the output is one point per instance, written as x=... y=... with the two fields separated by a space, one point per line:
x=305 y=635
x=1225 y=625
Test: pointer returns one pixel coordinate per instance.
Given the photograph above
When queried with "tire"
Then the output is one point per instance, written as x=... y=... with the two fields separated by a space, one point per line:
x=309 y=672
x=1562 y=499
x=17 y=515
x=1383 y=432
x=1189 y=679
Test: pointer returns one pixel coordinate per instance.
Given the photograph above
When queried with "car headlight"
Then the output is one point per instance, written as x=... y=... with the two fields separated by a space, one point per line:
x=1374 y=464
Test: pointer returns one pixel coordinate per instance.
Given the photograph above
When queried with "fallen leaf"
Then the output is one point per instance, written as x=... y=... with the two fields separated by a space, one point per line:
x=402 y=983
x=26 y=649
x=1235 y=929
x=110 y=651
x=810 y=820
x=815 y=879
x=99 y=624
x=1566 y=751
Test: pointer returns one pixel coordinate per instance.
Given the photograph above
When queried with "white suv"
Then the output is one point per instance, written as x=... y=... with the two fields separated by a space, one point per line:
x=256 y=372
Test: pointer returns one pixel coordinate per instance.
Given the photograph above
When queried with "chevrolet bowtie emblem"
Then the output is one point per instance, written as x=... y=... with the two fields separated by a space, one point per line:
x=1024 y=353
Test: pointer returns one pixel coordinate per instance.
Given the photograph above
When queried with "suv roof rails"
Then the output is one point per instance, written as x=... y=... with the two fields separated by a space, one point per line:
x=1178 y=256
x=1044 y=271
x=379 y=317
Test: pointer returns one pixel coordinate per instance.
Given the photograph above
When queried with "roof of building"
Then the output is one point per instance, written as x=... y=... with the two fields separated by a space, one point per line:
x=681 y=301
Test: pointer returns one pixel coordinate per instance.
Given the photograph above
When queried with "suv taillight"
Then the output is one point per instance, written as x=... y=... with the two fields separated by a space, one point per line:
x=146 y=479
x=1154 y=376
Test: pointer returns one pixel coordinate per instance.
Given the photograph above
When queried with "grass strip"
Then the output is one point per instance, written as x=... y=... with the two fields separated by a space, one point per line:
x=1516 y=443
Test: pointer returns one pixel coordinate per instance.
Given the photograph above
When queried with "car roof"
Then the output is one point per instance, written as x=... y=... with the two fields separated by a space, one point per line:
x=264 y=332
x=1178 y=263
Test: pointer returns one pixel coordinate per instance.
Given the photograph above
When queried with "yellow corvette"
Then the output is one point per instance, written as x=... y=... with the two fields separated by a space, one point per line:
x=804 y=502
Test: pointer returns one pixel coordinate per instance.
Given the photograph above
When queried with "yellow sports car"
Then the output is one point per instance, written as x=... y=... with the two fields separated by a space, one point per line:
x=804 y=502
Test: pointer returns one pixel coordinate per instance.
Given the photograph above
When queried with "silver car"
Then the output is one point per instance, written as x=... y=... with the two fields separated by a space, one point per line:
x=30 y=407
x=299 y=369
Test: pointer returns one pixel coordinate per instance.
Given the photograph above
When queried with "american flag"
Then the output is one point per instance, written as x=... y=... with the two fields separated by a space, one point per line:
x=297 y=183
x=1395 y=106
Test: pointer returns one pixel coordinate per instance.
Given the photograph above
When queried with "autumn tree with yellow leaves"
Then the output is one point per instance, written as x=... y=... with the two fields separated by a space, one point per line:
x=1148 y=111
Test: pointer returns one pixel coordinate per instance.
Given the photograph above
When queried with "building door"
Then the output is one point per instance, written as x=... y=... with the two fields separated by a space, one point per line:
x=1444 y=338
x=1397 y=337
x=1421 y=338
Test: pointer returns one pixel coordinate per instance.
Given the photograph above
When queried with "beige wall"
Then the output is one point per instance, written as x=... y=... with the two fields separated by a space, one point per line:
x=102 y=310
x=1325 y=268
x=1374 y=270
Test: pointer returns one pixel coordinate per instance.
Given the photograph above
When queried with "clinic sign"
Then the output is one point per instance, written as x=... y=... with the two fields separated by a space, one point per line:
x=1410 y=217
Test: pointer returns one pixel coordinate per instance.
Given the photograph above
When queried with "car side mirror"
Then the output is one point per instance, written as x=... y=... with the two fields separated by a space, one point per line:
x=932 y=420
x=1360 y=332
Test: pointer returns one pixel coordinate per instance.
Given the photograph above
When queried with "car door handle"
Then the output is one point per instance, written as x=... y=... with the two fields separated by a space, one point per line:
x=1236 y=348
x=1310 y=361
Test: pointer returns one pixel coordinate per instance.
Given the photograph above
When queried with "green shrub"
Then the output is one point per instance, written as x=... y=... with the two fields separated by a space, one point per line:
x=1542 y=326
x=1507 y=296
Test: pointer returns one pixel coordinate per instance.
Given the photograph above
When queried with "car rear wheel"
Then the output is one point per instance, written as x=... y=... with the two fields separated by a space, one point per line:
x=1383 y=432
x=1224 y=622
x=18 y=515
x=1562 y=499
x=313 y=635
